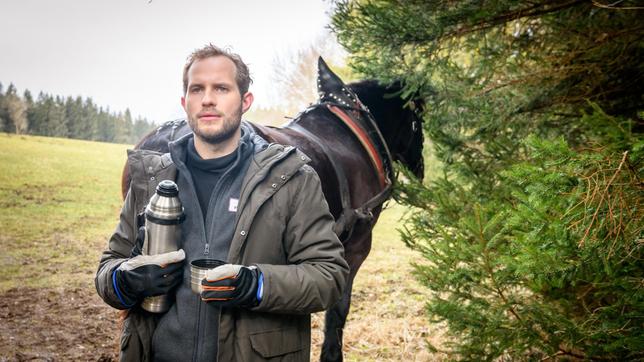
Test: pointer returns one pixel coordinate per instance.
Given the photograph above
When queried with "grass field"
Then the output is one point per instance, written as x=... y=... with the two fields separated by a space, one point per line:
x=59 y=202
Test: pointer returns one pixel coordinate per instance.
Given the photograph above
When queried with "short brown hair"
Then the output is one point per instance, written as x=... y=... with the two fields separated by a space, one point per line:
x=242 y=75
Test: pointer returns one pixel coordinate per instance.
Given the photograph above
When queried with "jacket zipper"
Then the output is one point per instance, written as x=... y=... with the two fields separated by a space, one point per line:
x=206 y=250
x=207 y=247
x=212 y=203
x=188 y=177
x=215 y=193
x=196 y=343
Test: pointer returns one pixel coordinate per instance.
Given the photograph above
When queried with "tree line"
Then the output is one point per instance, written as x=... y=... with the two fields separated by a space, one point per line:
x=67 y=117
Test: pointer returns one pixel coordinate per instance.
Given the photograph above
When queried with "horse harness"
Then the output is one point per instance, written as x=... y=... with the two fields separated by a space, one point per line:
x=374 y=144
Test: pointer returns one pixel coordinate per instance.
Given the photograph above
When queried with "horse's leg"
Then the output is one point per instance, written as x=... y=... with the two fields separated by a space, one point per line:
x=334 y=321
x=356 y=251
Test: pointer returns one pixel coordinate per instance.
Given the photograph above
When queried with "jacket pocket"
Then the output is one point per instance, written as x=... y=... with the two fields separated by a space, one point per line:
x=277 y=342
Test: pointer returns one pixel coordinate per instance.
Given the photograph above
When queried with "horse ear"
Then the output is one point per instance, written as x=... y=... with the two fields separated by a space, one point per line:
x=331 y=88
x=327 y=80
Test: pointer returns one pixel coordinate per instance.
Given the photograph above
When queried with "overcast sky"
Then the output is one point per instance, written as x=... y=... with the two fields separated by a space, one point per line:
x=130 y=53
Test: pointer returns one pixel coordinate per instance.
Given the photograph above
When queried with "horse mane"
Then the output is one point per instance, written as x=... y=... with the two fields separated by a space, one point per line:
x=372 y=93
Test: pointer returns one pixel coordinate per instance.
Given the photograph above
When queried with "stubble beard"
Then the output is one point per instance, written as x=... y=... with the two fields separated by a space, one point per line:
x=229 y=128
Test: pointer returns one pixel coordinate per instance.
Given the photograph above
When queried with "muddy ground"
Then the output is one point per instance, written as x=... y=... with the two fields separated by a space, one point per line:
x=56 y=325
x=76 y=325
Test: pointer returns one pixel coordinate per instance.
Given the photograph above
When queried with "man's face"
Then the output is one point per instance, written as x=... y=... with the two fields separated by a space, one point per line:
x=212 y=101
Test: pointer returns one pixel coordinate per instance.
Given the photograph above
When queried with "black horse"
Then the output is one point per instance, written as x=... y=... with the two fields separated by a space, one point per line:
x=352 y=135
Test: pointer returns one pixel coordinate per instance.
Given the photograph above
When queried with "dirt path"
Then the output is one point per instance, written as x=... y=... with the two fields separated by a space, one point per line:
x=56 y=325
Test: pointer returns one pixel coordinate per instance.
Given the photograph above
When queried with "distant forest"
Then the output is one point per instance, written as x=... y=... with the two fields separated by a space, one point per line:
x=58 y=116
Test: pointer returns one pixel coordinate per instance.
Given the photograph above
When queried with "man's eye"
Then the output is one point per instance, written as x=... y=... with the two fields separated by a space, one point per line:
x=195 y=90
x=222 y=89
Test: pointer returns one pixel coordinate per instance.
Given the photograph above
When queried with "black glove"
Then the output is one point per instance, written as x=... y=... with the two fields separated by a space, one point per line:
x=148 y=275
x=231 y=285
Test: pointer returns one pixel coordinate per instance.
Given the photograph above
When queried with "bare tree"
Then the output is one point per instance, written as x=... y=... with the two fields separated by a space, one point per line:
x=295 y=73
x=17 y=110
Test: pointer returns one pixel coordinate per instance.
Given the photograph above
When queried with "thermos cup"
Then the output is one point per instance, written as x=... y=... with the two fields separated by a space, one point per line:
x=198 y=269
x=163 y=217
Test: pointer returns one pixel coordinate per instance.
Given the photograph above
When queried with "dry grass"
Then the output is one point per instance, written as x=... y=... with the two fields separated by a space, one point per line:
x=387 y=321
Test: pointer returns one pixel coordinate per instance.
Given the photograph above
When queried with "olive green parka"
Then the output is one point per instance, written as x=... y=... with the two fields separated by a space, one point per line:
x=283 y=226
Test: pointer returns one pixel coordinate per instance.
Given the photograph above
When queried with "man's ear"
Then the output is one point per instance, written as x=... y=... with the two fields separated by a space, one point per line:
x=247 y=101
x=183 y=103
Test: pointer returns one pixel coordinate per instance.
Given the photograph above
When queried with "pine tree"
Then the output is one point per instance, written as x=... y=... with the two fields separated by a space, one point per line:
x=30 y=104
x=123 y=127
x=28 y=98
x=129 y=127
x=89 y=127
x=73 y=114
x=106 y=126
x=38 y=116
x=57 y=121
x=141 y=128
x=532 y=232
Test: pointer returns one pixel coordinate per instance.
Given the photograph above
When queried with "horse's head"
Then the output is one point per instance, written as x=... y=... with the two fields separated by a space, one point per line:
x=399 y=121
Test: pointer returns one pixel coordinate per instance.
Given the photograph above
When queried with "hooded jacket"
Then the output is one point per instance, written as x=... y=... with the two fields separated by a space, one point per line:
x=282 y=225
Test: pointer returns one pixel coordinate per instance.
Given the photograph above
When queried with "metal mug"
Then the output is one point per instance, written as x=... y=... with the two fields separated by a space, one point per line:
x=198 y=269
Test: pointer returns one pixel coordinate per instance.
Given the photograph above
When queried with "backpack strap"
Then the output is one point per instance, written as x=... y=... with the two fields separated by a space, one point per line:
x=148 y=168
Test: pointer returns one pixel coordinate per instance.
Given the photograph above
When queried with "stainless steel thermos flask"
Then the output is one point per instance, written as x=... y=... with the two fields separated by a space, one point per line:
x=163 y=217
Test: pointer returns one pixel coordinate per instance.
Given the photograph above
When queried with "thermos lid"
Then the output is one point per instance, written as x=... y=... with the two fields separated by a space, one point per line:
x=167 y=188
x=165 y=207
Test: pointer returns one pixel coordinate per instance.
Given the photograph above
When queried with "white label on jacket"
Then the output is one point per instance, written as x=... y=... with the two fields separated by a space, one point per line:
x=232 y=205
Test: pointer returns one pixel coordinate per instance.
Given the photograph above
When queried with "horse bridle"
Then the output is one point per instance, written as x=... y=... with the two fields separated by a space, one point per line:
x=408 y=145
x=376 y=147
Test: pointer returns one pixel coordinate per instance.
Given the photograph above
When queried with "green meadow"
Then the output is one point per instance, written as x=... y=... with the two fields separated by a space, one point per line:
x=59 y=202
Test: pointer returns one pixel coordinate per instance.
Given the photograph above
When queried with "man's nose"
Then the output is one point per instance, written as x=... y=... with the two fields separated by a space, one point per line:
x=209 y=98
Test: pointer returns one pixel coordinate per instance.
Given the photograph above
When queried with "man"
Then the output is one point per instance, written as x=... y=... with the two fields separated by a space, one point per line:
x=257 y=206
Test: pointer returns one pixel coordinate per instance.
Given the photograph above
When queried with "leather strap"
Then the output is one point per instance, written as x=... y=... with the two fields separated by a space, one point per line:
x=375 y=146
x=364 y=139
